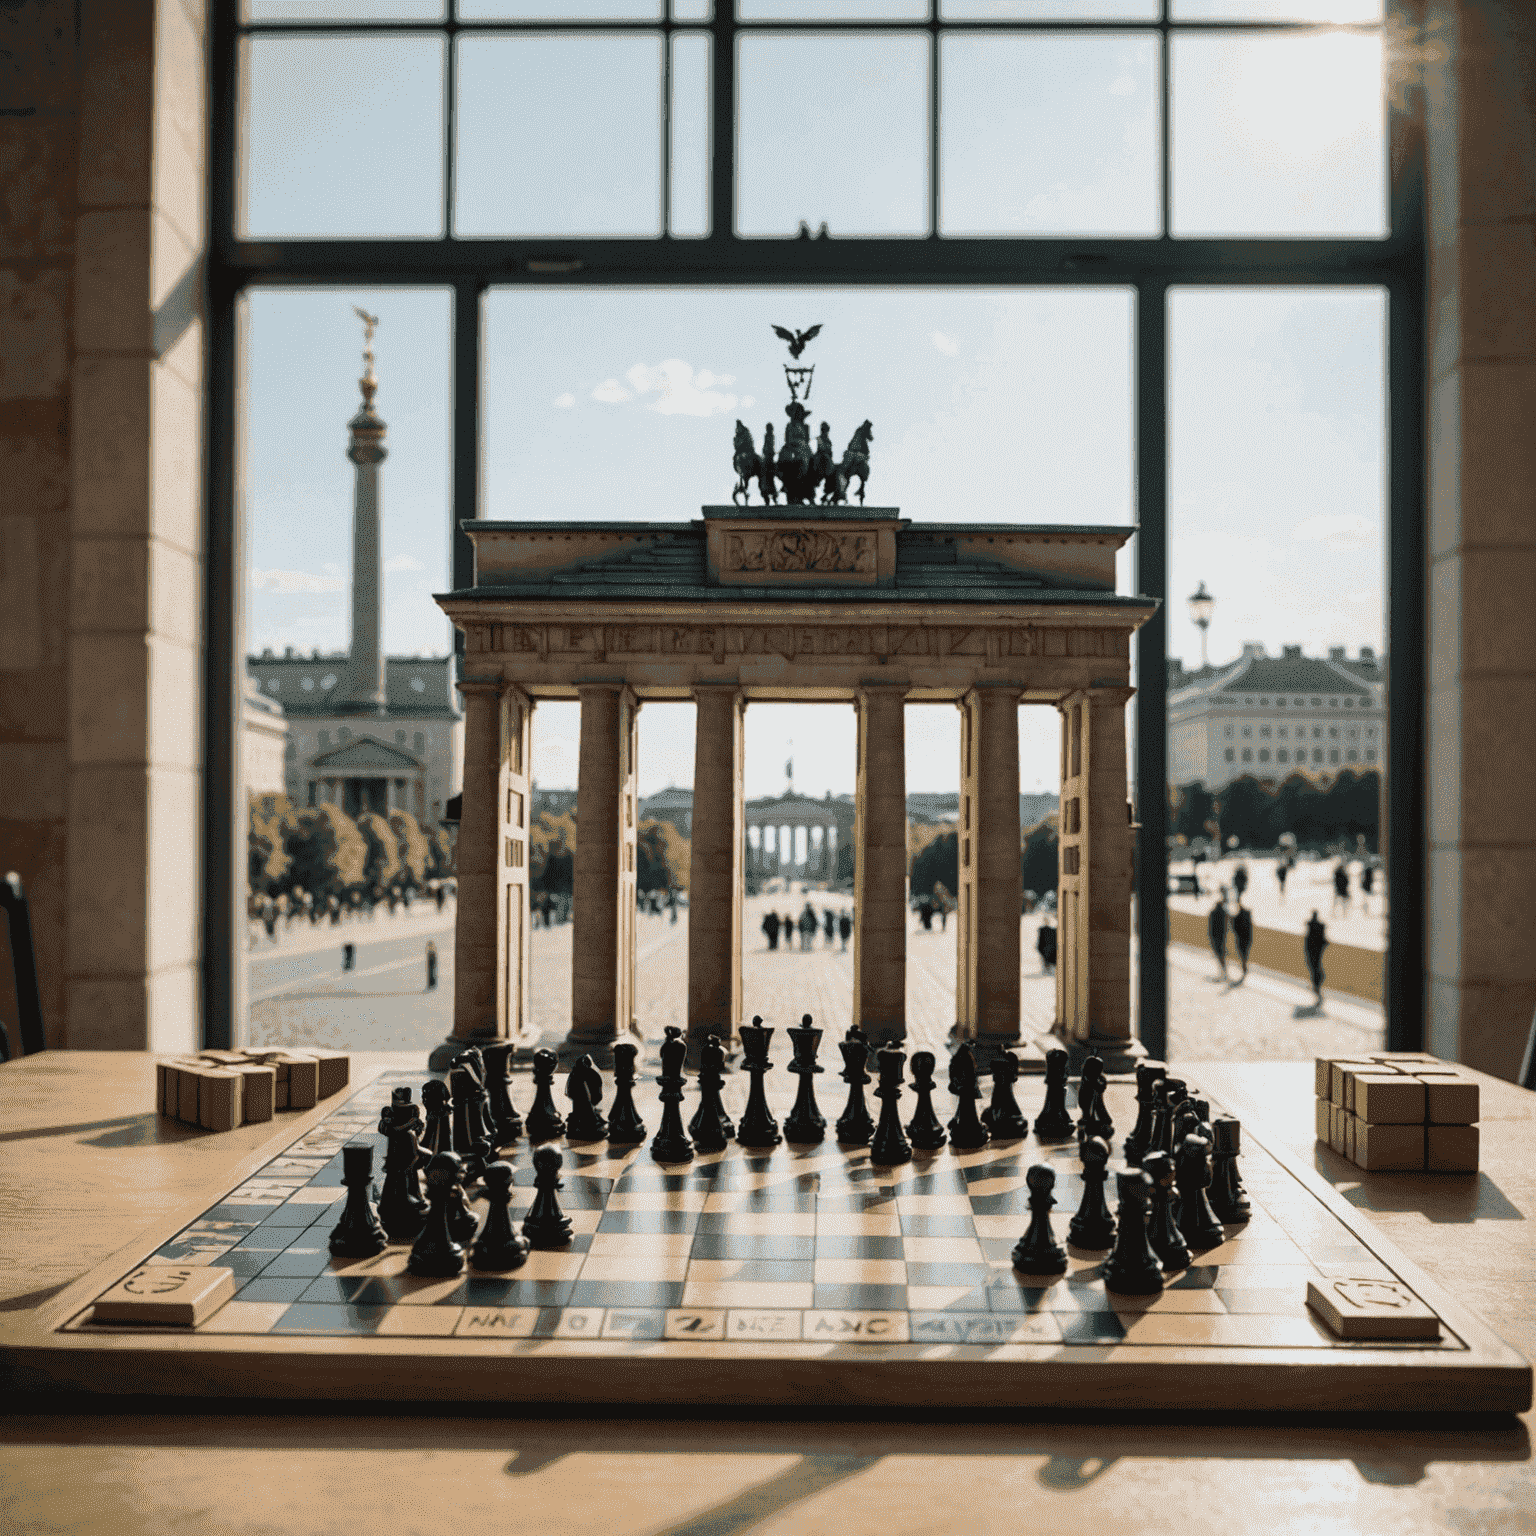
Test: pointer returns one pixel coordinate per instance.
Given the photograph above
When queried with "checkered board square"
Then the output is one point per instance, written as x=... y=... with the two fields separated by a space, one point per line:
x=807 y=1256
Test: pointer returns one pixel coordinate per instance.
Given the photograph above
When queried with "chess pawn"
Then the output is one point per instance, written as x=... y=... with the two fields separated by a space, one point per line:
x=506 y=1123
x=625 y=1127
x=585 y=1122
x=1133 y=1268
x=711 y=1127
x=546 y=1225
x=1093 y=1226
x=1162 y=1222
x=855 y=1125
x=890 y=1147
x=1054 y=1122
x=474 y=1150
x=1038 y=1252
x=358 y=1234
x=499 y=1248
x=1093 y=1119
x=1229 y=1200
x=1197 y=1221
x=1139 y=1139
x=1003 y=1117
x=402 y=1207
x=671 y=1144
x=805 y=1124
x=437 y=1133
x=758 y=1129
x=543 y=1121
x=438 y=1253
x=966 y=1132
x=924 y=1130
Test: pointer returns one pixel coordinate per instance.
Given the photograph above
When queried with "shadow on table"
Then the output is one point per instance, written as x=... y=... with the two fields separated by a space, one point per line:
x=123 y=1131
x=1446 y=1197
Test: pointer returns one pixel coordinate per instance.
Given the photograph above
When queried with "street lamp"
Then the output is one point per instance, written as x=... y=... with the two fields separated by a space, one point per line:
x=1201 y=605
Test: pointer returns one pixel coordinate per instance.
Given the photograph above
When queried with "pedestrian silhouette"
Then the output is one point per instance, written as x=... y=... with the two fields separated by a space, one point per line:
x=1313 y=944
x=1242 y=934
x=1240 y=881
x=431 y=966
x=844 y=927
x=1341 y=886
x=771 y=929
x=1216 y=929
x=348 y=956
x=1282 y=870
x=1045 y=947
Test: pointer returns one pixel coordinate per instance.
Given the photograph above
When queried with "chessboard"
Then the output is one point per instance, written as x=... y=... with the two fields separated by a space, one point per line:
x=800 y=1275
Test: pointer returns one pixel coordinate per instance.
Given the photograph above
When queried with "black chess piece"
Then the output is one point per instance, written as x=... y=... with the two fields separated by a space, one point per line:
x=543 y=1121
x=498 y=1247
x=966 y=1132
x=546 y=1225
x=1093 y=1118
x=711 y=1127
x=1229 y=1200
x=855 y=1125
x=1186 y=1123
x=890 y=1147
x=1133 y=1268
x=671 y=1144
x=399 y=1113
x=1192 y=1173
x=438 y=1252
x=1003 y=1117
x=358 y=1234
x=1038 y=1252
x=1139 y=1139
x=1093 y=1226
x=1171 y=1093
x=586 y=1122
x=479 y=1107
x=474 y=1149
x=758 y=1129
x=924 y=1129
x=1054 y=1122
x=437 y=1132
x=1202 y=1109
x=402 y=1207
x=1162 y=1224
x=625 y=1127
x=506 y=1123
x=805 y=1124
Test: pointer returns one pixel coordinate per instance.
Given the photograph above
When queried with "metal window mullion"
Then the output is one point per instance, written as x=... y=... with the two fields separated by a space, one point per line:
x=722 y=128
x=1165 y=109
x=468 y=327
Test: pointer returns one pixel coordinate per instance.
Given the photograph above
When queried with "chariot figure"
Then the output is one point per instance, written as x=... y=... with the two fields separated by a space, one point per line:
x=855 y=465
x=765 y=476
x=795 y=457
x=748 y=465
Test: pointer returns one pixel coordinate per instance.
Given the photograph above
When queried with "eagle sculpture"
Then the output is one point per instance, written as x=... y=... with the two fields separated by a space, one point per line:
x=796 y=339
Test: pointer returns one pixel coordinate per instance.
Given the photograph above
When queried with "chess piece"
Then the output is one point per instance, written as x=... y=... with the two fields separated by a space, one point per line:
x=923 y=1129
x=1173 y=1092
x=474 y=1149
x=479 y=1104
x=1093 y=1226
x=358 y=1234
x=805 y=1124
x=499 y=1248
x=506 y=1123
x=758 y=1128
x=1229 y=1200
x=890 y=1147
x=1186 y=1123
x=437 y=1133
x=1038 y=1252
x=399 y=1113
x=543 y=1122
x=546 y=1225
x=1054 y=1122
x=855 y=1125
x=402 y=1207
x=1139 y=1140
x=438 y=1253
x=711 y=1127
x=1192 y=1173
x=1093 y=1119
x=966 y=1132
x=586 y=1121
x=1003 y=1117
x=671 y=1144
x=1132 y=1269
x=1162 y=1226
x=625 y=1127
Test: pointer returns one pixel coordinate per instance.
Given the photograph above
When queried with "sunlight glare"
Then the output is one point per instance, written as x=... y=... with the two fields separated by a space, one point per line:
x=1301 y=95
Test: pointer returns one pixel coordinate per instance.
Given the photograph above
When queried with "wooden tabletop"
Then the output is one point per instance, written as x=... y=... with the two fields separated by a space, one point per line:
x=85 y=1164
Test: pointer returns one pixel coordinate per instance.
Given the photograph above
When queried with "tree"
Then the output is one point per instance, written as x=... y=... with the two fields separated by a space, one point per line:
x=551 y=854
x=1040 y=857
x=267 y=861
x=382 y=866
x=1243 y=810
x=661 y=857
x=1352 y=807
x=327 y=851
x=937 y=859
x=1190 y=807
x=415 y=851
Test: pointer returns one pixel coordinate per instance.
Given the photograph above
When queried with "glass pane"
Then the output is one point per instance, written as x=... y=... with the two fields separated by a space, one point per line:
x=691 y=56
x=343 y=136
x=559 y=136
x=1276 y=713
x=560 y=10
x=692 y=10
x=833 y=130
x=1277 y=10
x=1279 y=136
x=343 y=10
x=833 y=10
x=1049 y=135
x=1049 y=10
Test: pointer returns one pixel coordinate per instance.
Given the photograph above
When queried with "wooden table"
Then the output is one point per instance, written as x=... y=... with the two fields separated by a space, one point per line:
x=84 y=1165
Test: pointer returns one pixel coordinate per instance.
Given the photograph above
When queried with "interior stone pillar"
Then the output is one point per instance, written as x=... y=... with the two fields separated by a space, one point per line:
x=880 y=879
x=991 y=871
x=714 y=868
x=514 y=953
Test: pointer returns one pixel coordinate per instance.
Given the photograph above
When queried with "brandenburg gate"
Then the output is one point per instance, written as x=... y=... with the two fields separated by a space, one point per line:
x=847 y=604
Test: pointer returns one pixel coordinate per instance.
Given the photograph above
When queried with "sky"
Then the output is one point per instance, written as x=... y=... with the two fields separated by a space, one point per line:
x=989 y=405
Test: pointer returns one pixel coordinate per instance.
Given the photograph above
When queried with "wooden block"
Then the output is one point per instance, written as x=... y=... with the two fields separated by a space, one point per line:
x=1351 y=1127
x=187 y=1093
x=259 y=1091
x=1337 y=1121
x=335 y=1071
x=1389 y=1148
x=160 y=1071
x=279 y=1092
x=1450 y=1099
x=1451 y=1148
x=1324 y=1109
x=180 y=1294
x=219 y=1106
x=303 y=1081
x=1370 y=1308
x=1408 y=1061
x=1389 y=1098
x=223 y=1058
x=1342 y=1066
x=1322 y=1076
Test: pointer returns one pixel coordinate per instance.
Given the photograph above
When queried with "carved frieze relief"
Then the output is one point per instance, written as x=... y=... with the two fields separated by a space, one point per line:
x=790 y=550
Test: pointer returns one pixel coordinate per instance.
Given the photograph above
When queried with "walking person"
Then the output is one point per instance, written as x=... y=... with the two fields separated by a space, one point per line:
x=1045 y=947
x=829 y=926
x=1216 y=930
x=1340 y=889
x=1242 y=935
x=1282 y=873
x=431 y=966
x=1240 y=882
x=771 y=929
x=844 y=928
x=1313 y=943
x=808 y=927
x=348 y=956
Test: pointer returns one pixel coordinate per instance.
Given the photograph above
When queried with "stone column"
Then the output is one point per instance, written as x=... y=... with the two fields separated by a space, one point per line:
x=515 y=956
x=880 y=882
x=714 y=869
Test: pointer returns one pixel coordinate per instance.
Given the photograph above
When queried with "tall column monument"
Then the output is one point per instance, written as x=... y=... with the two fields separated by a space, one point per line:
x=365 y=682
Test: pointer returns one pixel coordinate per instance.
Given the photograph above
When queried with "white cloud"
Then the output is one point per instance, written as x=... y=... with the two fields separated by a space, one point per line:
x=1123 y=85
x=403 y=563
x=747 y=400
x=565 y=402
x=1337 y=530
x=611 y=392
x=683 y=392
x=294 y=581
x=946 y=344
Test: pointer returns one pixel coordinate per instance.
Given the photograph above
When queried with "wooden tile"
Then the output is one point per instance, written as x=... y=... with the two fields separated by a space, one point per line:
x=1451 y=1148
x=861 y=1272
x=244 y=1317
x=1389 y=1148
x=219 y=1099
x=858 y=1224
x=599 y=1268
x=1389 y=1098
x=419 y=1322
x=1370 y=1308
x=1449 y=1099
x=182 y=1295
x=736 y=1293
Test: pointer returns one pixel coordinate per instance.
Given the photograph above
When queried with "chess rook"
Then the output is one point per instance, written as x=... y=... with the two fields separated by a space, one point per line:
x=1229 y=1200
x=358 y=1234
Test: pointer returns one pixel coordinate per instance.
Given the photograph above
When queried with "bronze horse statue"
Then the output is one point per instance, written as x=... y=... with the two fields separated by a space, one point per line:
x=747 y=464
x=855 y=465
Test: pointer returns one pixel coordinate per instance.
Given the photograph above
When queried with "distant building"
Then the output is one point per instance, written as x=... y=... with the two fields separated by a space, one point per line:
x=557 y=802
x=264 y=742
x=1271 y=716
x=672 y=805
